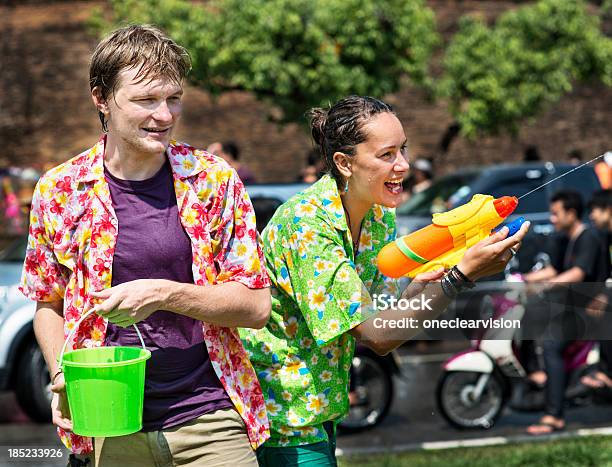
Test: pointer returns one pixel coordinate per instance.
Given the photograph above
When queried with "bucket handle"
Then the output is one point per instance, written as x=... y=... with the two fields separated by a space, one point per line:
x=71 y=333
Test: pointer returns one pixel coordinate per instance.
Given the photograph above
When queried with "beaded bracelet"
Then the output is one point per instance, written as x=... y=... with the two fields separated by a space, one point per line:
x=460 y=280
x=448 y=288
x=454 y=282
x=468 y=283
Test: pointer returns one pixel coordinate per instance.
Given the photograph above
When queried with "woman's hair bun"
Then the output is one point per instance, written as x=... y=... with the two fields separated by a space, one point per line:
x=318 y=119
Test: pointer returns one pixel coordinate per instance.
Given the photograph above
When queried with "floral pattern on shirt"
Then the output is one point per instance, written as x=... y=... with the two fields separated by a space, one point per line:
x=73 y=232
x=319 y=292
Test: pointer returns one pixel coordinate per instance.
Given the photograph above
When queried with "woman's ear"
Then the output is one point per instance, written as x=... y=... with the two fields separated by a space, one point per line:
x=343 y=163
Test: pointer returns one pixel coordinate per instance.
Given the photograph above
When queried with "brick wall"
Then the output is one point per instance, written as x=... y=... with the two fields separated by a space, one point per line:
x=46 y=114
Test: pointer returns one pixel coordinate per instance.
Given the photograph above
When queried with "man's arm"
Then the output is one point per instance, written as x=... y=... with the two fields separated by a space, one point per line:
x=572 y=275
x=230 y=304
x=586 y=249
x=543 y=274
x=49 y=331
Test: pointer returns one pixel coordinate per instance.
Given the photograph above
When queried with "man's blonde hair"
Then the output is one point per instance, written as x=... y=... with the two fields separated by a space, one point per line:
x=137 y=46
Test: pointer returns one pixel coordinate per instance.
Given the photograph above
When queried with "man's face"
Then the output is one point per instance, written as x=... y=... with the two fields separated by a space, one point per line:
x=142 y=115
x=601 y=217
x=560 y=218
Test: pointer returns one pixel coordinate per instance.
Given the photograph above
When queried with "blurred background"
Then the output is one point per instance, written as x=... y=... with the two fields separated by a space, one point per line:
x=495 y=97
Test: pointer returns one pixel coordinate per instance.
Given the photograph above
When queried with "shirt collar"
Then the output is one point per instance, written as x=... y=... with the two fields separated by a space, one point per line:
x=185 y=161
x=325 y=195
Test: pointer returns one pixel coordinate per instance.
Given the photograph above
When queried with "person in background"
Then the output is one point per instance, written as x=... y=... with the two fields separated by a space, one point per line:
x=143 y=229
x=577 y=258
x=320 y=249
x=420 y=178
x=230 y=152
x=422 y=172
x=601 y=216
x=575 y=157
x=314 y=169
x=11 y=209
x=531 y=154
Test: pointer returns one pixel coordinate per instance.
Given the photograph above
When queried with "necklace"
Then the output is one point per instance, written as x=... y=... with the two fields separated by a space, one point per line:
x=355 y=241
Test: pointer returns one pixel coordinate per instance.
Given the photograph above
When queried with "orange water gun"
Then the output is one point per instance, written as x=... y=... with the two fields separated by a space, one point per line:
x=444 y=241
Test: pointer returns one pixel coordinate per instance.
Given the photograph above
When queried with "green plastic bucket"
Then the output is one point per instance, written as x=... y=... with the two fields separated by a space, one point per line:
x=105 y=388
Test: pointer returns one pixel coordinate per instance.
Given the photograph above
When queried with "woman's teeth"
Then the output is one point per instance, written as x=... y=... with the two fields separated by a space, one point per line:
x=394 y=187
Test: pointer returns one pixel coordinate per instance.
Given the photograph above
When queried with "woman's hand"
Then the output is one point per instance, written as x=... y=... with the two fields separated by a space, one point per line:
x=491 y=255
x=420 y=282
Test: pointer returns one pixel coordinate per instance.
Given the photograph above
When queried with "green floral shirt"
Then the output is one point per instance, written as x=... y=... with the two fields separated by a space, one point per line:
x=319 y=292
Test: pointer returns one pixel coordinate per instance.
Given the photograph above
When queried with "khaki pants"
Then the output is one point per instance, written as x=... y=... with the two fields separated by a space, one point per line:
x=215 y=439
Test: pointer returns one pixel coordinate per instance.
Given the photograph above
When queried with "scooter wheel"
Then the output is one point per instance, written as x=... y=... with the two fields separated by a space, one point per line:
x=459 y=405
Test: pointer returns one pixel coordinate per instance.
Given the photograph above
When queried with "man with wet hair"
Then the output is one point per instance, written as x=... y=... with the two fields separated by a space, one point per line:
x=148 y=231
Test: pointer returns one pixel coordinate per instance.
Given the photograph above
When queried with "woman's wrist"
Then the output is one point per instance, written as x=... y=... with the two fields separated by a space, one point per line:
x=466 y=271
x=454 y=282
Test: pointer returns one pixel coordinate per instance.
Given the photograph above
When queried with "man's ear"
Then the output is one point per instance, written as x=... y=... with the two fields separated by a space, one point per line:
x=343 y=163
x=574 y=212
x=99 y=101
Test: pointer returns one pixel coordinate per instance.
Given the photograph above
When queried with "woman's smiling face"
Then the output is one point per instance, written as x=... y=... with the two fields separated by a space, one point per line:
x=379 y=164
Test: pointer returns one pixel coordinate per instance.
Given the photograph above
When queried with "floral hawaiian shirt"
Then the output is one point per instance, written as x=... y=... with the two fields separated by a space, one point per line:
x=319 y=292
x=73 y=231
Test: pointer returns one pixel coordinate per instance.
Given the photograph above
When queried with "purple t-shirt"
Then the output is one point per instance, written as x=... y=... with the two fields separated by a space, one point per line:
x=181 y=384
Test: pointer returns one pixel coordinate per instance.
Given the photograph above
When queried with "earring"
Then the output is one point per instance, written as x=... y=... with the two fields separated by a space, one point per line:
x=346 y=187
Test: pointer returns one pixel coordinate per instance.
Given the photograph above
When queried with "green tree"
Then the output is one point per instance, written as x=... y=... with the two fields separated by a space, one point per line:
x=294 y=54
x=496 y=77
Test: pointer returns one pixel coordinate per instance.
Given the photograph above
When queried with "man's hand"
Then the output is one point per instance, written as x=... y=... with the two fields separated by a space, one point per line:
x=59 y=404
x=131 y=302
x=597 y=307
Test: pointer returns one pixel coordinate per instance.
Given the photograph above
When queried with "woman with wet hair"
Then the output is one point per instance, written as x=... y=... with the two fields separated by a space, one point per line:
x=320 y=250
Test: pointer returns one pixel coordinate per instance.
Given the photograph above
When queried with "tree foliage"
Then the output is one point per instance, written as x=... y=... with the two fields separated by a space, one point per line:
x=495 y=77
x=295 y=54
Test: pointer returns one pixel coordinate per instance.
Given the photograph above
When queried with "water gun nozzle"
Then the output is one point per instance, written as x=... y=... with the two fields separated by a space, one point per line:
x=505 y=205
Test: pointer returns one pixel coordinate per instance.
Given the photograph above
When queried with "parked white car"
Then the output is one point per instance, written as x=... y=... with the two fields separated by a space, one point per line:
x=22 y=366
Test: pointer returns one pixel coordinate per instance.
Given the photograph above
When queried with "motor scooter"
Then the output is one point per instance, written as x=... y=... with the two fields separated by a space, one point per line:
x=477 y=384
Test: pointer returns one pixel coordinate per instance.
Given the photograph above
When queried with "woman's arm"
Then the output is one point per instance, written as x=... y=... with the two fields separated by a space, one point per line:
x=382 y=340
x=487 y=257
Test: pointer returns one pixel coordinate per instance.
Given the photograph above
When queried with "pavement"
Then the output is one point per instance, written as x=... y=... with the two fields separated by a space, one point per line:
x=413 y=422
